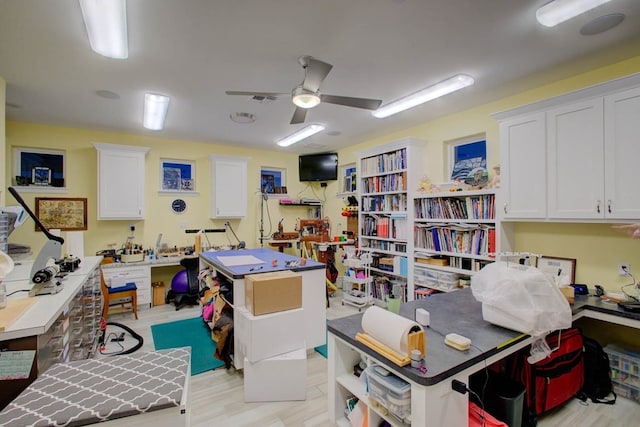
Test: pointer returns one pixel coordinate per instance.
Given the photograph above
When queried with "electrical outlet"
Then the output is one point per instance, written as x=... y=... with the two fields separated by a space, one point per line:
x=624 y=269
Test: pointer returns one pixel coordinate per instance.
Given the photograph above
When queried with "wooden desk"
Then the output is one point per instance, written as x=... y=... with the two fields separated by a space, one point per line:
x=281 y=244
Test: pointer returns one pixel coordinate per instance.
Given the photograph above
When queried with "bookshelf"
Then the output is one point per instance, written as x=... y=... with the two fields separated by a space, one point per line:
x=387 y=175
x=454 y=237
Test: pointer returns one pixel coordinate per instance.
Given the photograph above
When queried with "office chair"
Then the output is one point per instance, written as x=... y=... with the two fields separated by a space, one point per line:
x=185 y=291
x=126 y=296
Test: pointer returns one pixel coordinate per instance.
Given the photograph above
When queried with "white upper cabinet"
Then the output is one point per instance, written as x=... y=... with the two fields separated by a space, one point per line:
x=121 y=183
x=575 y=141
x=622 y=154
x=228 y=186
x=523 y=167
x=573 y=157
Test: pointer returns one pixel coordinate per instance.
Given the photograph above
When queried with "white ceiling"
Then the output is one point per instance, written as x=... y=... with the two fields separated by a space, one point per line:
x=194 y=50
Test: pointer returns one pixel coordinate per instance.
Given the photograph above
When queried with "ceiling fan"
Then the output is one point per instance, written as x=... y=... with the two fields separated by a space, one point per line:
x=307 y=94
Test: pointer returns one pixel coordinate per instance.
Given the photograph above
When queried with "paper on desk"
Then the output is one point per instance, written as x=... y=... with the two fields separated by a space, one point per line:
x=16 y=365
x=231 y=261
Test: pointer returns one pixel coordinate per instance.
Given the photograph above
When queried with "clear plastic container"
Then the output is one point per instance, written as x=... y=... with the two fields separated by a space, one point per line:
x=391 y=392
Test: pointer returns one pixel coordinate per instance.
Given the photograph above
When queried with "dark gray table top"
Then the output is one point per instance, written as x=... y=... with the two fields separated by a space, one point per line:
x=458 y=312
x=593 y=303
x=455 y=312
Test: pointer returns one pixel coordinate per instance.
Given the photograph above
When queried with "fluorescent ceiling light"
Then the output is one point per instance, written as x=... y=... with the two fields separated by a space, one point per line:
x=304 y=98
x=155 y=110
x=425 y=95
x=106 y=22
x=303 y=133
x=557 y=11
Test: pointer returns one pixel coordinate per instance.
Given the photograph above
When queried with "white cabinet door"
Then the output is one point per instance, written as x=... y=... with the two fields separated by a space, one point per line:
x=121 y=172
x=575 y=143
x=523 y=167
x=622 y=154
x=138 y=274
x=228 y=186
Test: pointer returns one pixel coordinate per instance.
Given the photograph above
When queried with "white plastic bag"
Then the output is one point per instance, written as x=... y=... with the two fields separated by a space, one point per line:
x=521 y=298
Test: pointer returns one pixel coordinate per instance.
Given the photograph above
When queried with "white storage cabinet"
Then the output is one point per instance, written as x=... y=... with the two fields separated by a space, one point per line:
x=121 y=181
x=228 y=186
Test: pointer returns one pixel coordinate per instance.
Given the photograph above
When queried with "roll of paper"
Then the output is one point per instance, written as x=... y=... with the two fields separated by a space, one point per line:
x=388 y=328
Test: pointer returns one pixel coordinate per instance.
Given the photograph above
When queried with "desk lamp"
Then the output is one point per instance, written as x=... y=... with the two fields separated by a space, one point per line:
x=51 y=249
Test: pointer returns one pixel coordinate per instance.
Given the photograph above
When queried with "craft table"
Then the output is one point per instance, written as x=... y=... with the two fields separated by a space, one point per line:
x=313 y=286
x=433 y=402
x=58 y=327
x=139 y=389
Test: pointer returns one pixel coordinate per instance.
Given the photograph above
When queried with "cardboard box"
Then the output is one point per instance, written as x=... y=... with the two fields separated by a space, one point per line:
x=276 y=379
x=272 y=292
x=268 y=335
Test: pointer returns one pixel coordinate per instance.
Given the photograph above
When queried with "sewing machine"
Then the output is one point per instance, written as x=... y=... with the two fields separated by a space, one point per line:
x=314 y=230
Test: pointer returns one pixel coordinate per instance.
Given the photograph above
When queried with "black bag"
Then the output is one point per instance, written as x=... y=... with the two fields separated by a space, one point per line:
x=597 y=374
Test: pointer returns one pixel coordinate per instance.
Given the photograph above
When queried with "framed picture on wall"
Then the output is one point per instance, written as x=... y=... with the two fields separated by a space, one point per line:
x=177 y=176
x=67 y=214
x=563 y=270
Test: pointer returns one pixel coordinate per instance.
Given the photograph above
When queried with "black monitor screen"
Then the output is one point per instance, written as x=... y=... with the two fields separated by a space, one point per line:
x=318 y=167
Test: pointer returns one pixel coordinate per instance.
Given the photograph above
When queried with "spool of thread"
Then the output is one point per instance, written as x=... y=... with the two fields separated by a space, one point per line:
x=416 y=358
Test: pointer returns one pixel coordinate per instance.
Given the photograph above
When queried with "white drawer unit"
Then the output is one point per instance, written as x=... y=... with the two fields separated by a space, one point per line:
x=120 y=274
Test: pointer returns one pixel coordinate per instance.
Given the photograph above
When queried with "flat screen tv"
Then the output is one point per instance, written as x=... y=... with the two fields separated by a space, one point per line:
x=318 y=167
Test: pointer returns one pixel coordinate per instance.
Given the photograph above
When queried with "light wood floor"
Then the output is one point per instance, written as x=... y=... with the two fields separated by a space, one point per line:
x=217 y=396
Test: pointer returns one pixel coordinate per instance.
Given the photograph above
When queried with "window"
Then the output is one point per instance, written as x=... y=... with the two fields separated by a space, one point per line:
x=272 y=181
x=466 y=156
x=35 y=166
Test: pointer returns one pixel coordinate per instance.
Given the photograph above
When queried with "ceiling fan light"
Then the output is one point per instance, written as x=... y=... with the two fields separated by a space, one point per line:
x=298 y=136
x=155 y=111
x=304 y=98
x=557 y=11
x=425 y=95
x=106 y=23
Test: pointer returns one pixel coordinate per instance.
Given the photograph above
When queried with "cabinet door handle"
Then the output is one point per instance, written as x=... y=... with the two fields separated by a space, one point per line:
x=505 y=208
x=598 y=207
x=609 y=206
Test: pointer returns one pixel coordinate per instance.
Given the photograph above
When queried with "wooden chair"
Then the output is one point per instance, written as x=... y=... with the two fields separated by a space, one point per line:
x=109 y=295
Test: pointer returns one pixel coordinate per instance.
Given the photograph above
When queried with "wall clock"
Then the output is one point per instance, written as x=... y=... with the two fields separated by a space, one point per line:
x=178 y=206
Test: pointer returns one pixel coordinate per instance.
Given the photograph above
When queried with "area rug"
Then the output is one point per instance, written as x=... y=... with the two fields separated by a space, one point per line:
x=322 y=349
x=192 y=333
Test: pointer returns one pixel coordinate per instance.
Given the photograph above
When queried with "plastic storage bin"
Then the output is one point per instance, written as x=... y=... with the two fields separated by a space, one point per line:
x=391 y=392
x=625 y=371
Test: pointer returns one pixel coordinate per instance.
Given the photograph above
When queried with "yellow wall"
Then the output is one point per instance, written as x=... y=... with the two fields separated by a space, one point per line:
x=596 y=247
x=81 y=181
x=3 y=88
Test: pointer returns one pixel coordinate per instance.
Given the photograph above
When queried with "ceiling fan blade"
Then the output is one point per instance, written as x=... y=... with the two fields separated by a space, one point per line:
x=298 y=116
x=238 y=92
x=315 y=72
x=366 y=103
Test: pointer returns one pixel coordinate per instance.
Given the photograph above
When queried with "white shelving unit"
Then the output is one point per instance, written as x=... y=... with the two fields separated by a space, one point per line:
x=357 y=281
x=454 y=236
x=387 y=175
